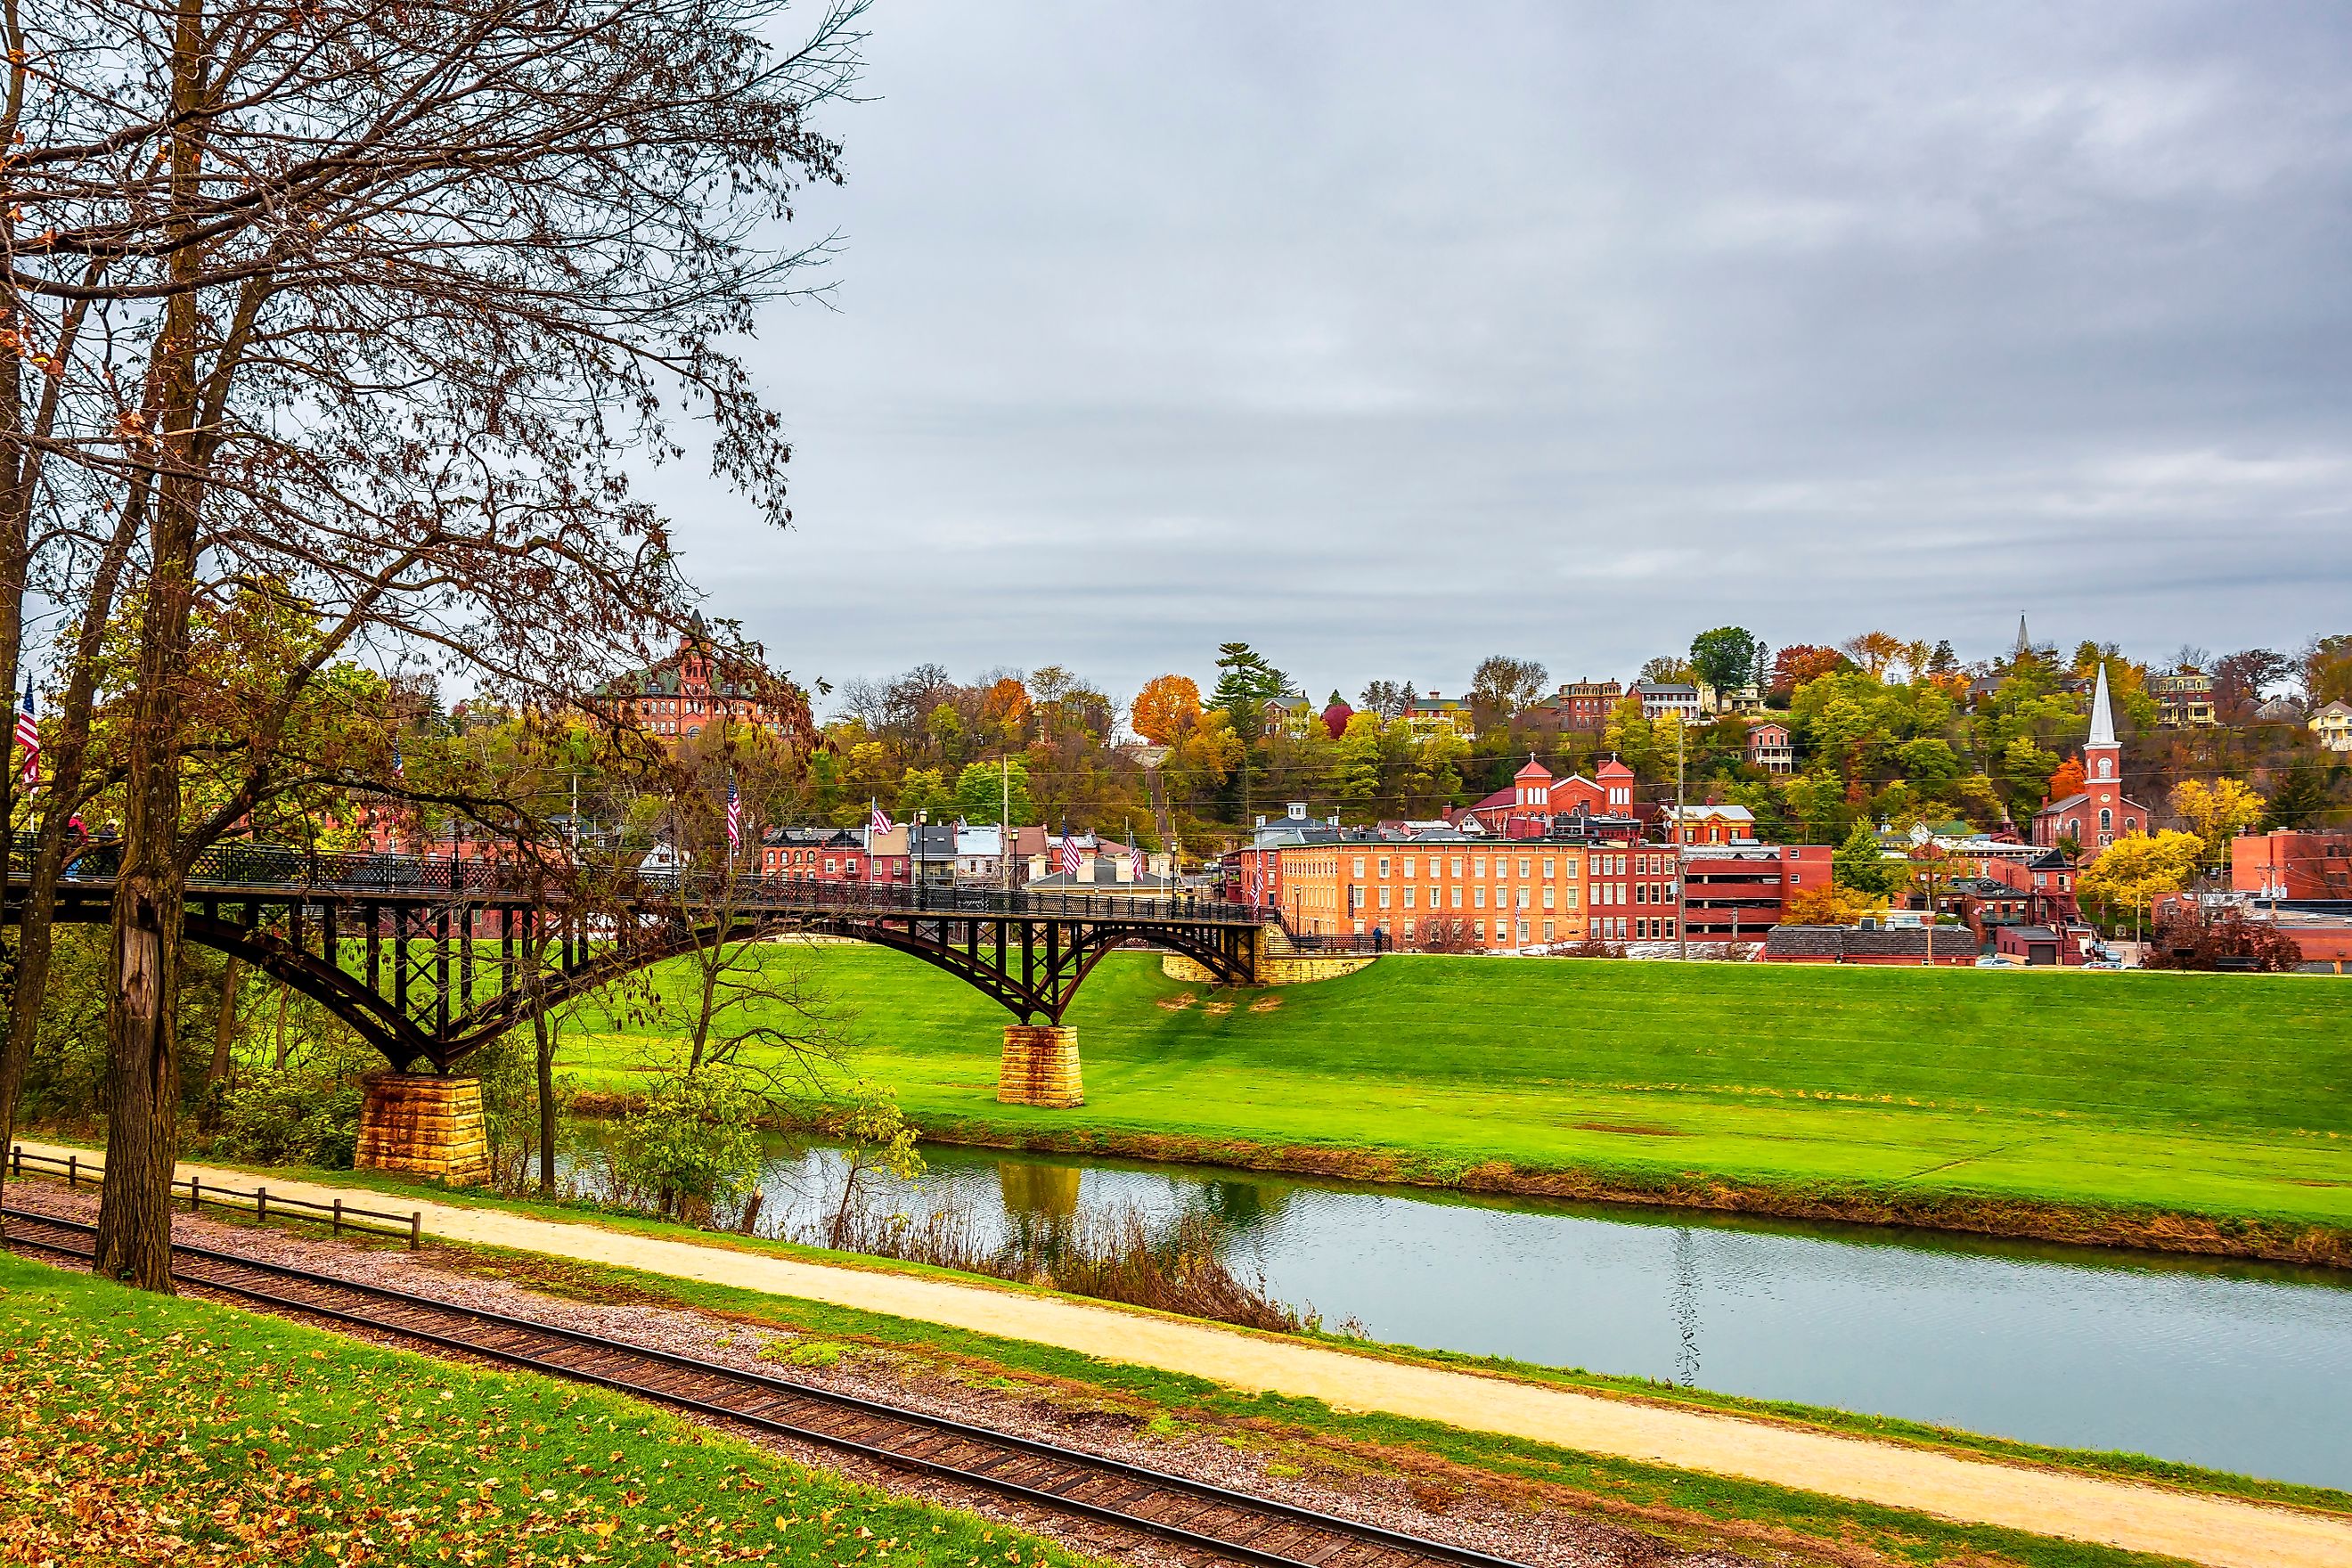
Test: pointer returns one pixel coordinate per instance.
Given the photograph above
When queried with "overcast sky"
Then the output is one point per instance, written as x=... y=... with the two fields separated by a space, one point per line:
x=1388 y=338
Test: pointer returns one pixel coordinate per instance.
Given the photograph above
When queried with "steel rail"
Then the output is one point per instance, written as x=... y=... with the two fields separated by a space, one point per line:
x=1272 y=1515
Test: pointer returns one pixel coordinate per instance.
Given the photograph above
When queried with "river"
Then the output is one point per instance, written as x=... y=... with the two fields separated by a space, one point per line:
x=2234 y=1365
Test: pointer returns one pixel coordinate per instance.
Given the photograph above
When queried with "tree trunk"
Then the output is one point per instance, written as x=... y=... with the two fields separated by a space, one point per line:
x=225 y=1022
x=134 y=1212
x=543 y=1038
x=67 y=750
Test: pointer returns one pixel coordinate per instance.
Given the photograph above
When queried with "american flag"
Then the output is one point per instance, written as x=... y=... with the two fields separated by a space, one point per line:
x=880 y=821
x=399 y=768
x=1069 y=854
x=28 y=735
x=1134 y=858
x=734 y=818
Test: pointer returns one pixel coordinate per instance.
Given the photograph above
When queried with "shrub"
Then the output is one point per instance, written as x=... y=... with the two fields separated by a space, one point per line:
x=696 y=1141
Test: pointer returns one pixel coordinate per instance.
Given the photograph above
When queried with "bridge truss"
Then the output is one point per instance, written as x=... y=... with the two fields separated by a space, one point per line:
x=428 y=958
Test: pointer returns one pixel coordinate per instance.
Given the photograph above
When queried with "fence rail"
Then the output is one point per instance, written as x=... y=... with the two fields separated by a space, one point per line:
x=338 y=1215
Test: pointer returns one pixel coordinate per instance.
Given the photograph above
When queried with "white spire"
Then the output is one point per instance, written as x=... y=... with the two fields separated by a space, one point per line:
x=2103 y=719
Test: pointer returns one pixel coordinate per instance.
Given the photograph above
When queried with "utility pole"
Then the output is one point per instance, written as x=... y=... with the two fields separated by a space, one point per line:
x=1681 y=899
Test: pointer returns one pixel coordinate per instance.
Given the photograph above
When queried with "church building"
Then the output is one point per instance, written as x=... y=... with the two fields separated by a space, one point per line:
x=2101 y=812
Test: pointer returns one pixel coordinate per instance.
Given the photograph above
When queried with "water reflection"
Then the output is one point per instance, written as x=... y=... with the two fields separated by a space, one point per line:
x=2240 y=1366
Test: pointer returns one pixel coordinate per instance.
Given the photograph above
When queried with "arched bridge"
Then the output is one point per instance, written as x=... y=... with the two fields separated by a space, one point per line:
x=425 y=957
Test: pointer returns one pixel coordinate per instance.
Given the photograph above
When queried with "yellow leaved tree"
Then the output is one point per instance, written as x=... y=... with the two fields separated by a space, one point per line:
x=2130 y=872
x=2219 y=811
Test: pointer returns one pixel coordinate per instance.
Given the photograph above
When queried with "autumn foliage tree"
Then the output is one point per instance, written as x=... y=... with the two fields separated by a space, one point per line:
x=2068 y=780
x=1802 y=662
x=2216 y=810
x=1165 y=708
x=394 y=290
x=2130 y=872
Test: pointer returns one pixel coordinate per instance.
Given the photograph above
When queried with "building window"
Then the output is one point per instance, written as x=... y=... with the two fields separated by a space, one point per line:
x=1457 y=865
x=1478 y=865
x=1547 y=931
x=1523 y=931
x=1456 y=899
x=1482 y=931
x=1385 y=865
x=1478 y=896
x=1568 y=898
x=1550 y=868
x=1549 y=896
x=1670 y=931
x=1525 y=865
x=1408 y=900
x=1384 y=898
x=1359 y=865
x=1523 y=901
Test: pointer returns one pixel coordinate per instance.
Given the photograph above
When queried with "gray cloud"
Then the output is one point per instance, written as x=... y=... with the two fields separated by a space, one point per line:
x=1390 y=337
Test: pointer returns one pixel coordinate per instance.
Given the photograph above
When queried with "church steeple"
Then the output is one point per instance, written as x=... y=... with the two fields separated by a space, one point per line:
x=2024 y=645
x=2103 y=763
x=2103 y=718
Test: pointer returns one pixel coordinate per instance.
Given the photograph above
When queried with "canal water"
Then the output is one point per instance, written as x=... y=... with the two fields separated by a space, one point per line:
x=2243 y=1367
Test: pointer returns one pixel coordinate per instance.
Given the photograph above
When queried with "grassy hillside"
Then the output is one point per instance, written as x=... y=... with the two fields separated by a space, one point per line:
x=2216 y=1095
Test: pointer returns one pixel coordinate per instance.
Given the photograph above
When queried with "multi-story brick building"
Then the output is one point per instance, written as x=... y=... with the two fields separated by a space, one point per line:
x=819 y=854
x=1735 y=893
x=685 y=694
x=1769 y=747
x=2292 y=865
x=1581 y=706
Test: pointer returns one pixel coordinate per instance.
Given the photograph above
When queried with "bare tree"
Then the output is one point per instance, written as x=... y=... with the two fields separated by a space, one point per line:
x=374 y=302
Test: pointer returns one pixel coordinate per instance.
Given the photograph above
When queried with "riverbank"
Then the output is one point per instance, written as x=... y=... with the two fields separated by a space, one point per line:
x=2183 y=1113
x=1761 y=1467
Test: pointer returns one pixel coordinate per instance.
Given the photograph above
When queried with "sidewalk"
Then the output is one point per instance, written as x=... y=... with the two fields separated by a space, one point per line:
x=2217 y=1531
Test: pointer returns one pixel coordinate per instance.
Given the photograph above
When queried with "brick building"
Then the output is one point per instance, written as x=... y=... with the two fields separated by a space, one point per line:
x=817 y=854
x=1580 y=706
x=2292 y=865
x=685 y=694
x=1738 y=893
x=2100 y=813
x=1769 y=747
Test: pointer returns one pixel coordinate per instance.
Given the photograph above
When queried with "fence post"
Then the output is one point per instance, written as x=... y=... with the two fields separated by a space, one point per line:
x=335 y=1226
x=194 y=1202
x=260 y=1204
x=73 y=1170
x=415 y=1229
x=16 y=1159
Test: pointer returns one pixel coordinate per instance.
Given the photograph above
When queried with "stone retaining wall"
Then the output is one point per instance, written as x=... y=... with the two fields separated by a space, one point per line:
x=1296 y=970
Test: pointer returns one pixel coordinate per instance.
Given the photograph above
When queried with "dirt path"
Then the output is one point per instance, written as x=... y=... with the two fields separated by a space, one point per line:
x=2217 y=1531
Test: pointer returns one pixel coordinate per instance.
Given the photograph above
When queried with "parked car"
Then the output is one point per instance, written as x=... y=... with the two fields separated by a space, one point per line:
x=1998 y=961
x=2101 y=963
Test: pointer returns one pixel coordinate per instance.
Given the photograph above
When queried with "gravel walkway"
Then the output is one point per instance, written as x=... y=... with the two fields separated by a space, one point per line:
x=1403 y=1491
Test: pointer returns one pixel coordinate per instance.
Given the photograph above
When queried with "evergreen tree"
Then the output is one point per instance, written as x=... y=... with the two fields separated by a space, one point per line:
x=2300 y=797
x=1859 y=865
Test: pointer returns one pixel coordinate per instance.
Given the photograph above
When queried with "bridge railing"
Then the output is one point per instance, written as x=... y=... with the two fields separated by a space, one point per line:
x=285 y=869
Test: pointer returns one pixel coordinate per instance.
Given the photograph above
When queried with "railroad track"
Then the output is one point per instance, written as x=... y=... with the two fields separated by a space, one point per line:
x=1223 y=1523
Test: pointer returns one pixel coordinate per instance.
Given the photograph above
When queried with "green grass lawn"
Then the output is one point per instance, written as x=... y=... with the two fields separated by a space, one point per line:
x=139 y=1429
x=2213 y=1094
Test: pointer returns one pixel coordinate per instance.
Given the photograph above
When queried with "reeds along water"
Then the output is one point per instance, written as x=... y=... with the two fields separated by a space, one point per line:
x=1113 y=1254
